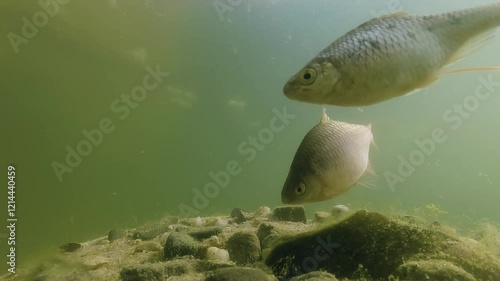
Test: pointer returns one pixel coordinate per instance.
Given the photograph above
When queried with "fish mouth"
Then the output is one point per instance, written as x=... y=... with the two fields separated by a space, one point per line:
x=288 y=89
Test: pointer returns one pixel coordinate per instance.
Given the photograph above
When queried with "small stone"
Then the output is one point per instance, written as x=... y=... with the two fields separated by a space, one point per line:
x=214 y=241
x=96 y=262
x=148 y=246
x=141 y=273
x=322 y=216
x=116 y=234
x=435 y=225
x=240 y=216
x=177 y=268
x=70 y=247
x=181 y=244
x=315 y=276
x=262 y=212
x=205 y=232
x=210 y=265
x=216 y=254
x=239 y=274
x=290 y=213
x=243 y=247
x=264 y=230
x=151 y=231
x=269 y=241
x=339 y=211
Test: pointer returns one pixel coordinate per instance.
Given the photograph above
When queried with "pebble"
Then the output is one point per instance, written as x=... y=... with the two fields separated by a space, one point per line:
x=264 y=230
x=148 y=246
x=322 y=216
x=339 y=210
x=269 y=241
x=116 y=234
x=70 y=247
x=214 y=241
x=214 y=253
x=142 y=273
x=240 y=216
x=180 y=244
x=290 y=213
x=262 y=212
x=205 y=233
x=151 y=231
x=239 y=274
x=244 y=247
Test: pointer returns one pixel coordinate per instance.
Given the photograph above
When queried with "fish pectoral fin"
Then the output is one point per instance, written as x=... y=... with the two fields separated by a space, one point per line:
x=472 y=45
x=470 y=69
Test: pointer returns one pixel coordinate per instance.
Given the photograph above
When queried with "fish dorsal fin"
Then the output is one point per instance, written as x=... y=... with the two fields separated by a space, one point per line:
x=324 y=117
x=394 y=15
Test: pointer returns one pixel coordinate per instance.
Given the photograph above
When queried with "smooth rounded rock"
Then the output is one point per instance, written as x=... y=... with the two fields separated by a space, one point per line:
x=244 y=247
x=181 y=244
x=216 y=254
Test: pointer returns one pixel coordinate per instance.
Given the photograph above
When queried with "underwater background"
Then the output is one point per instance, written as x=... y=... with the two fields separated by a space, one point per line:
x=152 y=152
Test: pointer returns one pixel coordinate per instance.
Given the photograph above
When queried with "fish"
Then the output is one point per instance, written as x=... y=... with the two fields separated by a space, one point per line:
x=331 y=158
x=392 y=56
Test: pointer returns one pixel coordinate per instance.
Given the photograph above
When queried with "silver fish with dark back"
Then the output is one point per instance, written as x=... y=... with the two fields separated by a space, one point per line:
x=331 y=158
x=391 y=56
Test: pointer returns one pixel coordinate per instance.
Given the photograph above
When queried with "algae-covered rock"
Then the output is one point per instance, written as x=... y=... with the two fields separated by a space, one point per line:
x=244 y=247
x=433 y=270
x=376 y=244
x=315 y=276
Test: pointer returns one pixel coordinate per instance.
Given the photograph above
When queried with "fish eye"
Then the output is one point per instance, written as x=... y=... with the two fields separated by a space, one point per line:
x=300 y=189
x=307 y=76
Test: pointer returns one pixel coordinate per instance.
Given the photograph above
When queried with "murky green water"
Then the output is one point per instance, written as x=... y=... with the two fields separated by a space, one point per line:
x=150 y=151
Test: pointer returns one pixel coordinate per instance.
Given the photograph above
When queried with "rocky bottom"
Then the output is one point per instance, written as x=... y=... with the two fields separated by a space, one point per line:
x=275 y=245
